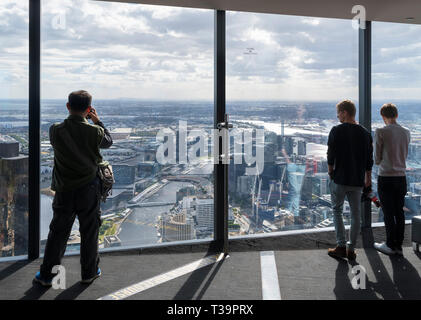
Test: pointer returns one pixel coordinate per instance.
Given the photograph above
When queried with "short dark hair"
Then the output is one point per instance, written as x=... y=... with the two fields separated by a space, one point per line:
x=348 y=106
x=80 y=100
x=389 y=110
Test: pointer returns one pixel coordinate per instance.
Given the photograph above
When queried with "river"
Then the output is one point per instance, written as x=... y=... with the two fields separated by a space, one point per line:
x=139 y=228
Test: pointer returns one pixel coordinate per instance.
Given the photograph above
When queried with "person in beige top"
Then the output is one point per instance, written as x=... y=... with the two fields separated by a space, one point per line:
x=391 y=151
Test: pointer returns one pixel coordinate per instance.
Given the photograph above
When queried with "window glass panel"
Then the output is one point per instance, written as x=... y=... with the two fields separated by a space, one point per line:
x=285 y=74
x=396 y=78
x=147 y=68
x=14 y=21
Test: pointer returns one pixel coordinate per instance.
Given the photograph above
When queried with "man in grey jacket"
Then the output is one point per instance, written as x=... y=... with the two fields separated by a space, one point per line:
x=391 y=151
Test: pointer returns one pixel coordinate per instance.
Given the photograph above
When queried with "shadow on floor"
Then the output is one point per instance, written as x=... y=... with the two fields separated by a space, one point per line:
x=384 y=285
x=406 y=278
x=73 y=292
x=14 y=267
x=343 y=284
x=35 y=292
x=190 y=289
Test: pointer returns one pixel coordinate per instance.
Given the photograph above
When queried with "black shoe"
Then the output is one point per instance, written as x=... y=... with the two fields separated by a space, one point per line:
x=90 y=280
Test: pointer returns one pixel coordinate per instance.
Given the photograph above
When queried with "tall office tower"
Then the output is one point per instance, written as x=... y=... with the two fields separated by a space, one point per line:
x=13 y=198
x=288 y=145
x=269 y=169
x=414 y=151
x=280 y=144
x=301 y=148
x=321 y=166
x=320 y=184
x=295 y=174
x=270 y=150
x=177 y=227
x=283 y=128
x=124 y=174
x=245 y=184
x=307 y=187
x=235 y=171
x=204 y=216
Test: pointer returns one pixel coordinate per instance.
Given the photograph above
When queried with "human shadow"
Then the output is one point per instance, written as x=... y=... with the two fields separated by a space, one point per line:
x=190 y=288
x=35 y=292
x=73 y=292
x=343 y=284
x=406 y=278
x=11 y=269
x=384 y=284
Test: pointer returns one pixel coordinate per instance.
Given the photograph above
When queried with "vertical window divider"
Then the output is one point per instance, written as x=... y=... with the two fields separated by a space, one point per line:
x=34 y=128
x=364 y=75
x=220 y=169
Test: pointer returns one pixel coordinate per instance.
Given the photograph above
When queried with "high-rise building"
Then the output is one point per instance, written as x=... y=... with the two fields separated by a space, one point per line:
x=295 y=174
x=245 y=184
x=204 y=216
x=235 y=171
x=320 y=184
x=124 y=174
x=13 y=198
x=177 y=227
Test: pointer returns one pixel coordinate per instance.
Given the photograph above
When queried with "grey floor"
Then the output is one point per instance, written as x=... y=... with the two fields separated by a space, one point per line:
x=303 y=274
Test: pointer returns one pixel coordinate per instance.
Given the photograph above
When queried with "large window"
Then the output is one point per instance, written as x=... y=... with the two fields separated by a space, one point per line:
x=285 y=75
x=13 y=127
x=396 y=78
x=148 y=68
x=150 y=71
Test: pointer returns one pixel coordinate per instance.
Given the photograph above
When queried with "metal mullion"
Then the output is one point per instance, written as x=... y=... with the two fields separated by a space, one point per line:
x=364 y=71
x=220 y=169
x=34 y=128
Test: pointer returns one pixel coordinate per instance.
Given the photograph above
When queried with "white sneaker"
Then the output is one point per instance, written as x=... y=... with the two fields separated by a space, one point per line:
x=383 y=248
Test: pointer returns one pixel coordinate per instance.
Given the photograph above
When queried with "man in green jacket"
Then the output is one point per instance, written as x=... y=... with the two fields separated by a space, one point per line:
x=77 y=187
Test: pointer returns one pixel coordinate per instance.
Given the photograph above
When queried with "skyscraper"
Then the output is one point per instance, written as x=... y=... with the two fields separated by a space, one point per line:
x=13 y=198
x=204 y=216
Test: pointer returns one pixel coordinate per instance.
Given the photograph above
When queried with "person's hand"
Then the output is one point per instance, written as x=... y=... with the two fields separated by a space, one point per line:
x=94 y=116
x=330 y=173
x=367 y=181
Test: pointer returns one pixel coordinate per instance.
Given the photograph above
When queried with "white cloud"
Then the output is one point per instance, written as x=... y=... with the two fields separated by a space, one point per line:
x=145 y=51
x=311 y=21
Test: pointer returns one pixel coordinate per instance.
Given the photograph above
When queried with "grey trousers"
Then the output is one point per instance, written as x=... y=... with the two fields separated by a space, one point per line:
x=353 y=194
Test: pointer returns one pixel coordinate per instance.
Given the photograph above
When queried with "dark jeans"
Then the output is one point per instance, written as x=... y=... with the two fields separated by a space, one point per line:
x=84 y=203
x=392 y=192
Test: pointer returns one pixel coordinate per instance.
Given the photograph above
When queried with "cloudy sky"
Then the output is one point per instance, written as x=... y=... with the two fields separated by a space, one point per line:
x=119 y=50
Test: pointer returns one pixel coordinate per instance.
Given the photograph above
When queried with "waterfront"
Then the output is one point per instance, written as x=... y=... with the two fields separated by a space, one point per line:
x=139 y=227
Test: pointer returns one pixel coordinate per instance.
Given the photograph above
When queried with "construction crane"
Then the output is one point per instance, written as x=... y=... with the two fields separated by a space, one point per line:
x=282 y=184
x=253 y=190
x=257 y=203
x=270 y=192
